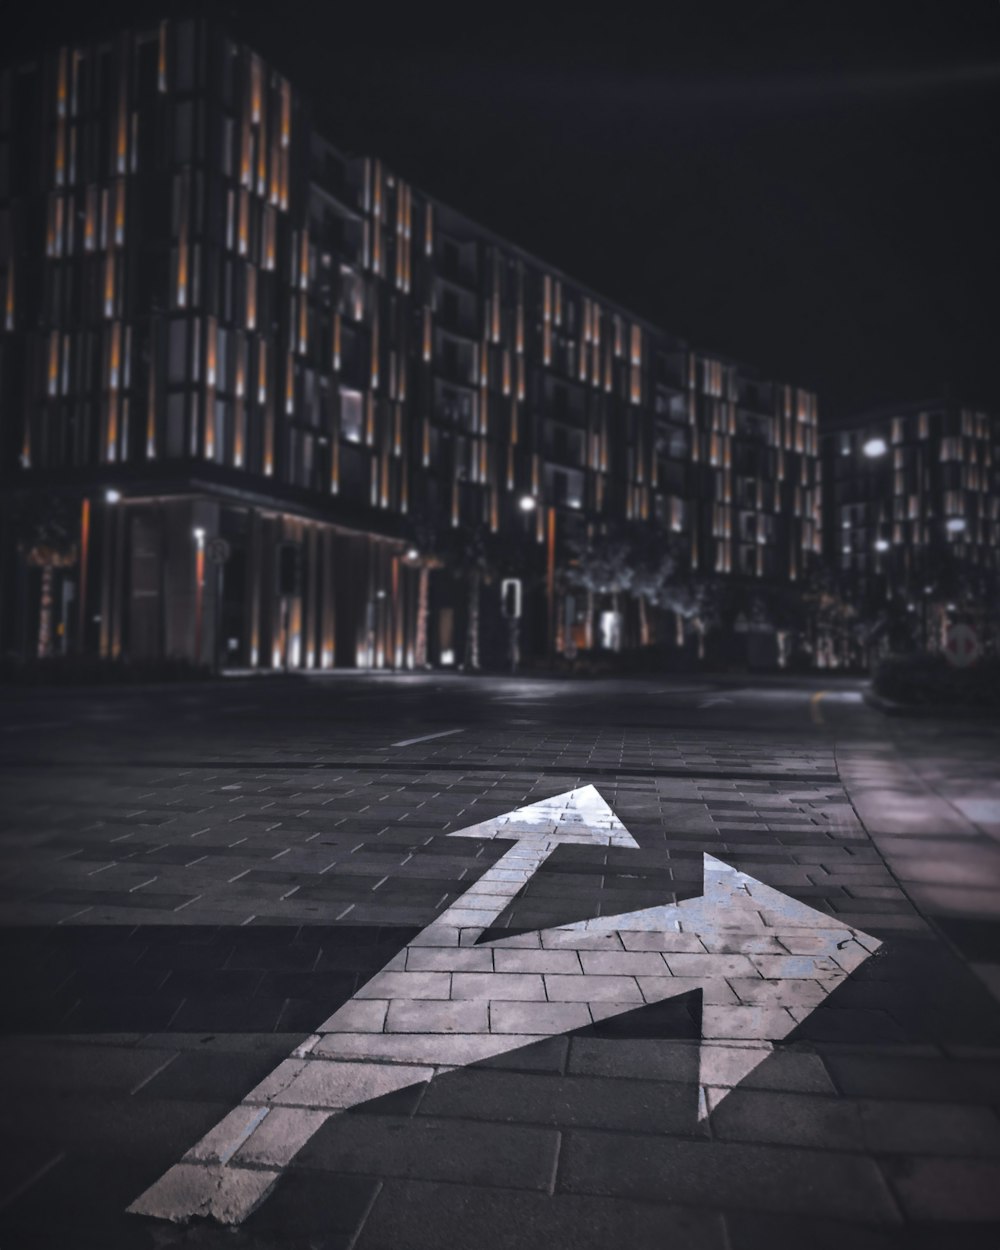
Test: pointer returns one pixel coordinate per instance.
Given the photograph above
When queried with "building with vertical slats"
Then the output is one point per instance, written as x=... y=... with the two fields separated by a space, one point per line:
x=269 y=384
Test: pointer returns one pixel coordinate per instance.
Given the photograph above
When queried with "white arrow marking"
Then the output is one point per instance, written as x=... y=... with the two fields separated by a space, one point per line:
x=762 y=961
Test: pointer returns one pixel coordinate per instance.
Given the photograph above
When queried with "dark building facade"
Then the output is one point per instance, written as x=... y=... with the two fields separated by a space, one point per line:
x=912 y=516
x=257 y=393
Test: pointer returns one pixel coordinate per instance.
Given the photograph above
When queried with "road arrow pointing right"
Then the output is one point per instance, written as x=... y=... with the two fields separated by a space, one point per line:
x=761 y=960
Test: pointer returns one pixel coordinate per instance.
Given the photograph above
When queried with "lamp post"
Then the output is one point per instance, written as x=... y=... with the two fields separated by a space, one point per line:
x=199 y=588
x=109 y=569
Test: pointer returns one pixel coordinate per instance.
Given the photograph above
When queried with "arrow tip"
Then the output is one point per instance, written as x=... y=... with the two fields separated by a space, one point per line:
x=579 y=816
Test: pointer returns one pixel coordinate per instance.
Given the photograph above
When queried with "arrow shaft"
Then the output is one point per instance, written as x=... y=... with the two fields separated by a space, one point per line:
x=278 y=1116
x=484 y=901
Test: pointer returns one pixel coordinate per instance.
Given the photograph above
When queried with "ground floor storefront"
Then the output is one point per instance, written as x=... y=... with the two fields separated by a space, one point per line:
x=218 y=584
x=223 y=583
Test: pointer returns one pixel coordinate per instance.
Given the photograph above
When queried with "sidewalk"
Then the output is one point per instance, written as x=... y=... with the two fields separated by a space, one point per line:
x=934 y=814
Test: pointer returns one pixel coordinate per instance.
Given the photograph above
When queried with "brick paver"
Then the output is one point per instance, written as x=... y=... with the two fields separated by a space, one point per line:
x=174 y=925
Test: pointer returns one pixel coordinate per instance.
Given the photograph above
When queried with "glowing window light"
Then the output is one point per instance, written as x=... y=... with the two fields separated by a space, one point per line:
x=262 y=158
x=286 y=114
x=251 y=317
x=375 y=354
x=256 y=91
x=161 y=59
x=120 y=212
x=283 y=166
x=60 y=153
x=53 y=372
x=243 y=228
x=121 y=136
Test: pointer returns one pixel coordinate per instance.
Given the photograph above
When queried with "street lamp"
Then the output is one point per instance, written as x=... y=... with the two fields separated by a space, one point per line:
x=527 y=503
x=875 y=447
x=199 y=588
x=955 y=525
x=881 y=544
x=413 y=554
x=111 y=495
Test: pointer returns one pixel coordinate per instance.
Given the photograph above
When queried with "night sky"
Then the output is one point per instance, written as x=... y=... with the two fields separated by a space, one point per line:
x=811 y=188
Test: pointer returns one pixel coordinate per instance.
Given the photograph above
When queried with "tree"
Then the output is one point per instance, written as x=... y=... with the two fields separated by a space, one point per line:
x=600 y=564
x=422 y=536
x=45 y=526
x=656 y=564
x=697 y=601
x=463 y=549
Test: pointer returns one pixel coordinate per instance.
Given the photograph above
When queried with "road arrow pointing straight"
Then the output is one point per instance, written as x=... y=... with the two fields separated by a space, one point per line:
x=762 y=961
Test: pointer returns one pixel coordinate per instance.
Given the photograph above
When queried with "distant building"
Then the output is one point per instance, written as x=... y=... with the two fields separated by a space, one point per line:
x=216 y=325
x=912 y=513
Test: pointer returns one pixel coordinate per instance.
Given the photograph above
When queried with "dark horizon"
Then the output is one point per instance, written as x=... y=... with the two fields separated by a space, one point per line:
x=810 y=193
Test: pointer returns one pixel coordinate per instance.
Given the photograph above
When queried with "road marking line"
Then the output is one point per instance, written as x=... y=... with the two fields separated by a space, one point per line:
x=815 y=711
x=762 y=961
x=409 y=742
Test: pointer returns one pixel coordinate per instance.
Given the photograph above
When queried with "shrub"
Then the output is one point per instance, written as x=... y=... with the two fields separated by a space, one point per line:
x=931 y=680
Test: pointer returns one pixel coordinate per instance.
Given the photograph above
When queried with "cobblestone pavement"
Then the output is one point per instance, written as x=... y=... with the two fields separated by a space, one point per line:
x=193 y=880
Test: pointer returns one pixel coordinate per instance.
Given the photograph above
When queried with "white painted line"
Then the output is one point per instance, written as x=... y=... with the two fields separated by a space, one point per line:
x=716 y=701
x=445 y=733
x=762 y=962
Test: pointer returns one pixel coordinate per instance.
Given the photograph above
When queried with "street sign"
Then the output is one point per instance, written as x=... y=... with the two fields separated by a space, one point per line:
x=217 y=550
x=961 y=646
x=762 y=960
x=510 y=598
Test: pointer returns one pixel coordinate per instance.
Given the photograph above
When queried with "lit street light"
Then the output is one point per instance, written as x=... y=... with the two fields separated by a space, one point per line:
x=955 y=525
x=527 y=503
x=111 y=495
x=875 y=447
x=882 y=544
x=199 y=588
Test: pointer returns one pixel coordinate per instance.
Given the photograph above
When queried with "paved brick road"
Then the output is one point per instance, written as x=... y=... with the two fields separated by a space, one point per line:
x=192 y=880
